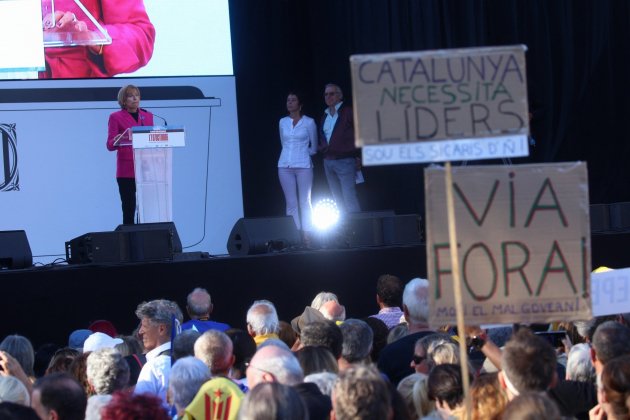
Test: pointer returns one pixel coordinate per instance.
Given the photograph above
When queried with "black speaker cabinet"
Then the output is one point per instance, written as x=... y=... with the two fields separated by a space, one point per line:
x=599 y=215
x=98 y=248
x=261 y=235
x=15 y=252
x=402 y=229
x=620 y=216
x=142 y=234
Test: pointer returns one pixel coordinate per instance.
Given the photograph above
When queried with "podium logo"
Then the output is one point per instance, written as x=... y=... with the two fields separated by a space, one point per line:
x=9 y=180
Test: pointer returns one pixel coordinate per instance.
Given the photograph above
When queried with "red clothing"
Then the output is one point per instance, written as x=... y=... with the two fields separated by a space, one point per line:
x=119 y=121
x=341 y=145
x=133 y=36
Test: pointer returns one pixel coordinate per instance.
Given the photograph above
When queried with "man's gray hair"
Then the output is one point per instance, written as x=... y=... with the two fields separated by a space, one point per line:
x=107 y=371
x=263 y=318
x=432 y=340
x=579 y=366
x=357 y=340
x=416 y=299
x=214 y=348
x=159 y=311
x=337 y=88
x=199 y=302
x=183 y=344
x=323 y=297
x=284 y=366
x=186 y=377
x=13 y=390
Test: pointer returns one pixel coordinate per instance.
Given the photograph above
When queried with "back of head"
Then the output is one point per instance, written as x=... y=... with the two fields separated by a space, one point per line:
x=389 y=289
x=488 y=397
x=528 y=363
x=61 y=393
x=271 y=401
x=125 y=406
x=184 y=344
x=262 y=318
x=443 y=352
x=406 y=390
x=531 y=406
x=333 y=311
x=316 y=359
x=416 y=300
x=22 y=350
x=611 y=340
x=323 y=297
x=357 y=340
x=14 y=411
x=199 y=303
x=446 y=386
x=130 y=345
x=281 y=363
x=579 y=366
x=361 y=393
x=214 y=348
x=160 y=311
x=186 y=377
x=326 y=334
x=243 y=348
x=13 y=390
x=107 y=371
x=615 y=383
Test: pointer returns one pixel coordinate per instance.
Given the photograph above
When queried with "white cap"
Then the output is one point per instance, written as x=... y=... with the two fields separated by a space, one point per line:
x=98 y=341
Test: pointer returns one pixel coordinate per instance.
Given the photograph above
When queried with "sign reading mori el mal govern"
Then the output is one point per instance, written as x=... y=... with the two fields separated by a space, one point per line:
x=407 y=105
x=523 y=241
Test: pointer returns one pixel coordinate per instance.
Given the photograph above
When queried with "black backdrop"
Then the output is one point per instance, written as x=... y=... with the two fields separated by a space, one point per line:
x=578 y=63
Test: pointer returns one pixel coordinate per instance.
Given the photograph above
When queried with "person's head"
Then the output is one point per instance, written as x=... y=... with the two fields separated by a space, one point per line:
x=321 y=298
x=107 y=371
x=360 y=393
x=614 y=387
x=326 y=334
x=243 y=348
x=99 y=340
x=199 y=304
x=156 y=319
x=262 y=318
x=61 y=360
x=129 y=98
x=186 y=377
x=416 y=302
x=446 y=387
x=610 y=340
x=184 y=344
x=420 y=358
x=389 y=291
x=579 y=366
x=78 y=370
x=528 y=364
x=14 y=411
x=274 y=364
x=488 y=398
x=357 y=341
x=13 y=390
x=443 y=352
x=130 y=345
x=407 y=390
x=315 y=359
x=22 y=350
x=271 y=401
x=398 y=332
x=380 y=332
x=287 y=334
x=294 y=103
x=324 y=381
x=531 y=406
x=332 y=94
x=125 y=406
x=214 y=348
x=58 y=396
x=333 y=311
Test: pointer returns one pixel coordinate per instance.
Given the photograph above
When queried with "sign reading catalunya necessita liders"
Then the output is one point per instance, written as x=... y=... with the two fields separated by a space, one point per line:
x=524 y=243
x=436 y=106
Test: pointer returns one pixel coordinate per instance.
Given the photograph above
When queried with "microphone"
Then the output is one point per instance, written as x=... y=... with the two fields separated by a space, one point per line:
x=155 y=115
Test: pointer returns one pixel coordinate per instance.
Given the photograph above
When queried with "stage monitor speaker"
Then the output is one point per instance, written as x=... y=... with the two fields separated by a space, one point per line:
x=15 y=252
x=365 y=228
x=141 y=233
x=262 y=235
x=600 y=217
x=620 y=216
x=402 y=229
x=98 y=248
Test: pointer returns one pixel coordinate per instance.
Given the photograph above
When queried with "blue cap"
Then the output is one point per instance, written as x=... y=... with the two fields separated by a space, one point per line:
x=77 y=338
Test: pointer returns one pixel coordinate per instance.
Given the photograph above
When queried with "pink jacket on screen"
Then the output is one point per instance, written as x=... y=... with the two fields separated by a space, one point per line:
x=119 y=121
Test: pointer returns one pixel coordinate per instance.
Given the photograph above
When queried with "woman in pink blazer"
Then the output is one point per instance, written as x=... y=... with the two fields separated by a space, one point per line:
x=118 y=128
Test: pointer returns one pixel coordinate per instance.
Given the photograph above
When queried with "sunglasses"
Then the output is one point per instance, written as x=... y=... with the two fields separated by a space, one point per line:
x=418 y=359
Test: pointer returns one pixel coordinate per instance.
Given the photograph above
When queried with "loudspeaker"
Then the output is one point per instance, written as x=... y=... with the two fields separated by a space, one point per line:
x=152 y=240
x=261 y=235
x=599 y=215
x=402 y=229
x=15 y=252
x=620 y=216
x=365 y=228
x=98 y=247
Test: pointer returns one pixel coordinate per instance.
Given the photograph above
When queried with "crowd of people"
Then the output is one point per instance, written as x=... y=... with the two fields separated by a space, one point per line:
x=322 y=364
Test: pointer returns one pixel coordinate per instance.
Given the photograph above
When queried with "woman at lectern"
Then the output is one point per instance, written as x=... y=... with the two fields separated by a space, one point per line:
x=118 y=139
x=298 y=136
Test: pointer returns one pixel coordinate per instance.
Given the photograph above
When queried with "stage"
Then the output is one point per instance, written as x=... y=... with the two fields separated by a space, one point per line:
x=46 y=304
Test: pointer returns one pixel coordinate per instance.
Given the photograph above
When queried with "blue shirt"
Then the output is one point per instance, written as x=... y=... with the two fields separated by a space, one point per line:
x=203 y=326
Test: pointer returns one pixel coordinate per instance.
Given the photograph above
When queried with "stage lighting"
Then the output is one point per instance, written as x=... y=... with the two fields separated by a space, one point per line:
x=325 y=214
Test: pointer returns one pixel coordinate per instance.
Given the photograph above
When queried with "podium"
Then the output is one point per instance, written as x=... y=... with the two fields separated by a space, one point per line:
x=153 y=162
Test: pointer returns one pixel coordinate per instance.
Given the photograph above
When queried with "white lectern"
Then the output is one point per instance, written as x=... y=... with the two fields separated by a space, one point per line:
x=153 y=162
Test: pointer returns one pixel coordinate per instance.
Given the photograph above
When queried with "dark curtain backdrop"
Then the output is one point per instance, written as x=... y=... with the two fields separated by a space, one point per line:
x=578 y=64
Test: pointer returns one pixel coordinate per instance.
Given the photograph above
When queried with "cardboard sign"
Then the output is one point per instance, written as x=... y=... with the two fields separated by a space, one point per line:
x=462 y=94
x=523 y=242
x=611 y=292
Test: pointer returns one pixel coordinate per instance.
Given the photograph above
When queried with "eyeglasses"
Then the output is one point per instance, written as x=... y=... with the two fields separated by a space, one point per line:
x=418 y=359
x=330 y=93
x=249 y=365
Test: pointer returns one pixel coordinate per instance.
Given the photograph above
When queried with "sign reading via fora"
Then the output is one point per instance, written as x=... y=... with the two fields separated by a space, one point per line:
x=436 y=106
x=523 y=241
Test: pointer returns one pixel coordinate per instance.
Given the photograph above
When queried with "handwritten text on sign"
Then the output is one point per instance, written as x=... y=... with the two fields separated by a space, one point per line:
x=523 y=239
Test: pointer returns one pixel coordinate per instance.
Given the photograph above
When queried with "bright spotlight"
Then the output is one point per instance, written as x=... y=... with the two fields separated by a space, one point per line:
x=325 y=214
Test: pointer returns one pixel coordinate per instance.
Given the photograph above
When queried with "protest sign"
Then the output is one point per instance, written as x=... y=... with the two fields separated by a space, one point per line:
x=468 y=97
x=523 y=243
x=611 y=292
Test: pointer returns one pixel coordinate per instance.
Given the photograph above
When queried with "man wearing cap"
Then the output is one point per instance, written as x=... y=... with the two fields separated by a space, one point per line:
x=99 y=341
x=157 y=319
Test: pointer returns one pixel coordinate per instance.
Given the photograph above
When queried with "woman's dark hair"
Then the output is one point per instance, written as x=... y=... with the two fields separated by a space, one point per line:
x=445 y=385
x=616 y=385
x=316 y=359
x=298 y=95
x=62 y=360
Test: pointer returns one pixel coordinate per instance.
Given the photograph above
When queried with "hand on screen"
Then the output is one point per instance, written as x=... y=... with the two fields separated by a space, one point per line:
x=63 y=21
